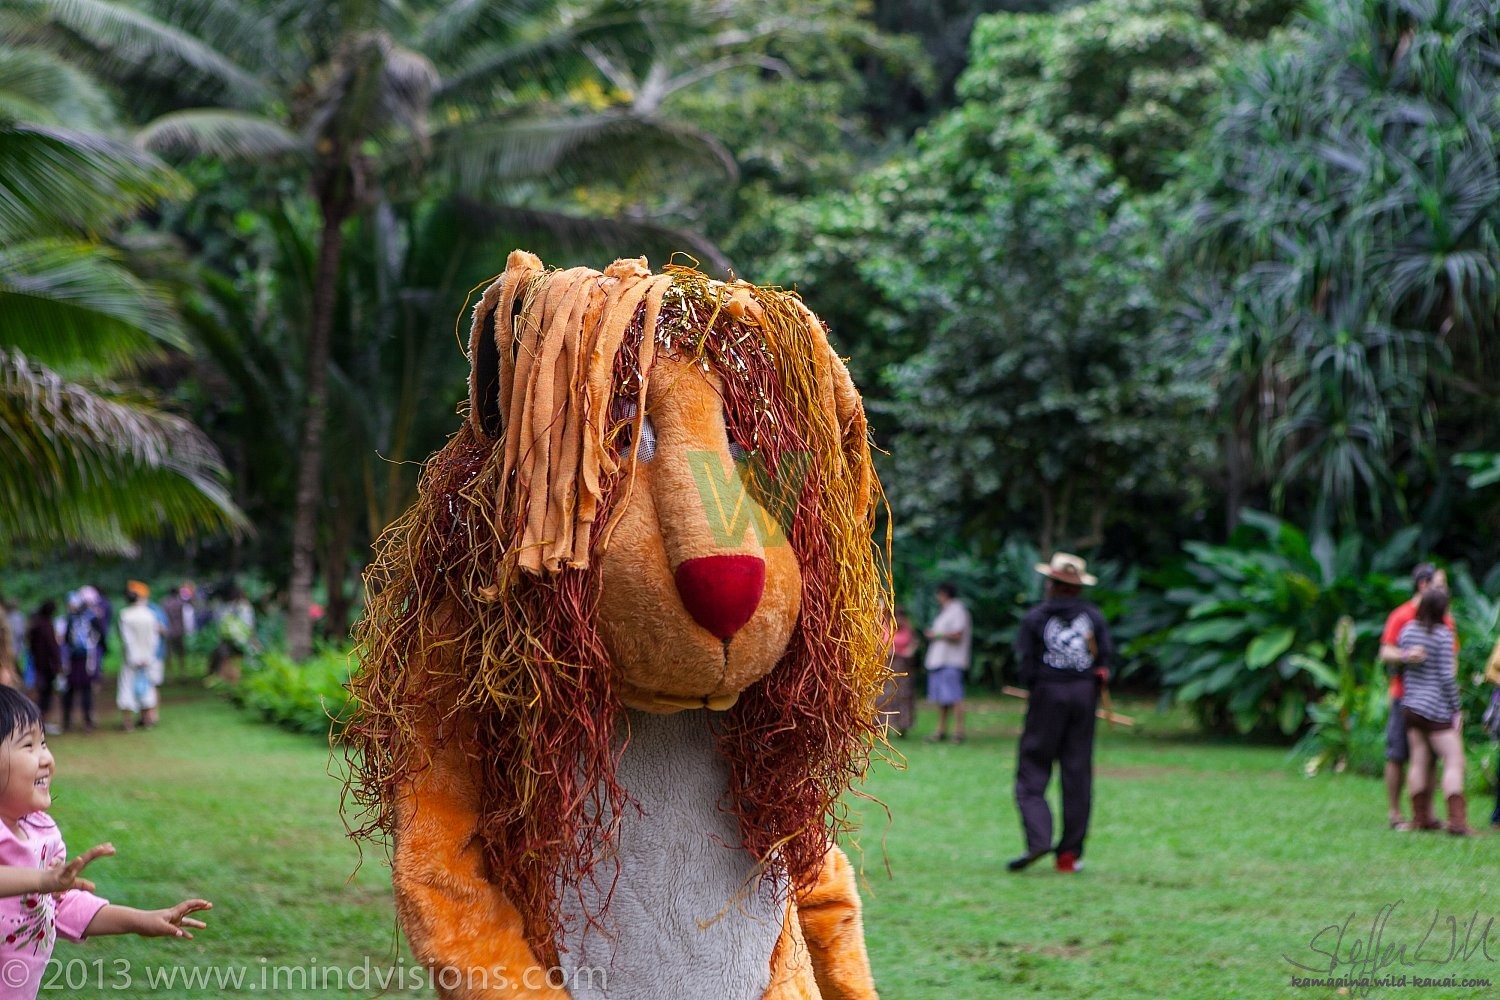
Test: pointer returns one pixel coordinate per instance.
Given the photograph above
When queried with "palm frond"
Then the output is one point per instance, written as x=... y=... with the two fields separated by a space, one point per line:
x=89 y=467
x=475 y=158
x=136 y=38
x=76 y=307
x=579 y=238
x=40 y=87
x=227 y=135
x=55 y=180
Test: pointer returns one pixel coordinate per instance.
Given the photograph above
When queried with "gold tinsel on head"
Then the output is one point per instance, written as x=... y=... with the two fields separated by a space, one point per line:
x=482 y=599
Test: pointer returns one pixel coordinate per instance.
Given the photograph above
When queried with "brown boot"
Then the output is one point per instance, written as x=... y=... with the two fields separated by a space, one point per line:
x=1421 y=812
x=1458 y=816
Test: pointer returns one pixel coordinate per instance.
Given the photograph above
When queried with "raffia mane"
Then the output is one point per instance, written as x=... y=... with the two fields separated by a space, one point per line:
x=482 y=599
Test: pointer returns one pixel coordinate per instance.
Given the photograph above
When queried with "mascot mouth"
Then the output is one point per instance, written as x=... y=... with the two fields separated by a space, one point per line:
x=663 y=701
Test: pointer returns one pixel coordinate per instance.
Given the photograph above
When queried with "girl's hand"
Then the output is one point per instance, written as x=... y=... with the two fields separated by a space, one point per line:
x=1414 y=655
x=63 y=877
x=172 y=921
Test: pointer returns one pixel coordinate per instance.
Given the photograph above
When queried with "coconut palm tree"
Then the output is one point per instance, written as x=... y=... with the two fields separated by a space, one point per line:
x=367 y=102
x=85 y=461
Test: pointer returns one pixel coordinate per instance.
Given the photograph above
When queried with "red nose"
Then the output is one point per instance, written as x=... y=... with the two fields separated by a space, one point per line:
x=721 y=592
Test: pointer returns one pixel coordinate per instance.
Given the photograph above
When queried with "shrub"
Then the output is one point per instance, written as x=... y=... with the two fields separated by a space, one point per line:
x=306 y=697
x=1249 y=647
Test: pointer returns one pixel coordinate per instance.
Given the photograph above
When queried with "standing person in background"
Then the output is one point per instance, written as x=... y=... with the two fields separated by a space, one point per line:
x=182 y=621
x=103 y=612
x=1492 y=722
x=947 y=662
x=84 y=639
x=176 y=652
x=140 y=671
x=10 y=646
x=236 y=636
x=1065 y=650
x=898 y=702
x=46 y=656
x=16 y=619
x=1397 y=747
x=1433 y=724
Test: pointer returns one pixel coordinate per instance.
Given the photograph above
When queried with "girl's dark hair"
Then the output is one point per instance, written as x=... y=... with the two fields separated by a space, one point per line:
x=1432 y=606
x=46 y=609
x=17 y=712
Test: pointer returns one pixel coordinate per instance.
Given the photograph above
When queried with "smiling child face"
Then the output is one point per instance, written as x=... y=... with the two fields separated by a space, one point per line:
x=25 y=774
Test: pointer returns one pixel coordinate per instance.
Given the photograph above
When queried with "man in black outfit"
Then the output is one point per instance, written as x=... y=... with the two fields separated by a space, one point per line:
x=1065 y=651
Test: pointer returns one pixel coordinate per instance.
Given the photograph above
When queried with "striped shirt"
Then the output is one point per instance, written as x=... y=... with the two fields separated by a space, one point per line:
x=1431 y=686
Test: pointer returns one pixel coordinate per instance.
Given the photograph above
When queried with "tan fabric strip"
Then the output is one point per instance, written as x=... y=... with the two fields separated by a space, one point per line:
x=546 y=407
x=654 y=296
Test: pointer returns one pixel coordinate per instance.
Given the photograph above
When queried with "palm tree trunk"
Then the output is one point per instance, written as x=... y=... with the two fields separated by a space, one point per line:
x=336 y=207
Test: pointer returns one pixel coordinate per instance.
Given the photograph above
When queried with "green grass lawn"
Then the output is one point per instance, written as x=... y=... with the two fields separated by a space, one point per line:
x=1207 y=864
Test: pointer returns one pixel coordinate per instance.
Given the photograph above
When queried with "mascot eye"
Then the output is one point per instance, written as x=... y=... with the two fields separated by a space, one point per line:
x=737 y=451
x=624 y=411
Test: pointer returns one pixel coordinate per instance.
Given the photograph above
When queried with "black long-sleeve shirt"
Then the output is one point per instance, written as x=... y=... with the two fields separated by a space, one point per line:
x=1063 y=639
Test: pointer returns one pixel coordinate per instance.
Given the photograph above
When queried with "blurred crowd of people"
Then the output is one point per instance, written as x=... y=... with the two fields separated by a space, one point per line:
x=57 y=654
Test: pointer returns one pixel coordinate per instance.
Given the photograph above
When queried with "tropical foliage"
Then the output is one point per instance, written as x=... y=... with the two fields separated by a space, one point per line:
x=308 y=697
x=1109 y=275
x=86 y=459
x=1350 y=229
x=1265 y=620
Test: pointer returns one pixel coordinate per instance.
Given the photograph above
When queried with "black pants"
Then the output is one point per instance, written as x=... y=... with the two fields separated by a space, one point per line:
x=85 y=693
x=46 y=687
x=1059 y=728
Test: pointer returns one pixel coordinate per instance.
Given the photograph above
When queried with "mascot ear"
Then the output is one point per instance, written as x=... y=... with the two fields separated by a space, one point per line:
x=492 y=343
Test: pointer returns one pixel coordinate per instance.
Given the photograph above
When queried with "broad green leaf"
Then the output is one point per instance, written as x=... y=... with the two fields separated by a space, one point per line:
x=1265 y=648
x=1292 y=712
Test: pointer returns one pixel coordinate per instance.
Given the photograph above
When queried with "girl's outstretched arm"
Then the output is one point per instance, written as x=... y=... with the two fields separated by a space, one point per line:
x=58 y=878
x=171 y=922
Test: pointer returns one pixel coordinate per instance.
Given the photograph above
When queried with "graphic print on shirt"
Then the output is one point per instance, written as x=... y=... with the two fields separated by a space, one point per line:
x=1068 y=644
x=35 y=927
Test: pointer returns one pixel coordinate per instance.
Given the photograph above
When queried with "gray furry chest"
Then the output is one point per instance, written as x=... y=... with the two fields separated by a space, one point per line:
x=688 y=914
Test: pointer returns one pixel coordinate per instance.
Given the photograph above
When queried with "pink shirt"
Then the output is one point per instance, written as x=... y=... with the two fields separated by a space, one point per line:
x=30 y=924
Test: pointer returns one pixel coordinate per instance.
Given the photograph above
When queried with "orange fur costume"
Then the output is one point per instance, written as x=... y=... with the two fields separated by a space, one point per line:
x=620 y=659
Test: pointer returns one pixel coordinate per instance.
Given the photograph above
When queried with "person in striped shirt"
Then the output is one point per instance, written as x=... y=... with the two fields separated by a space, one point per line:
x=1430 y=701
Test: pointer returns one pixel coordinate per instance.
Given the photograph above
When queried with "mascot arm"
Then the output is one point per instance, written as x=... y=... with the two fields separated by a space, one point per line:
x=460 y=926
x=829 y=912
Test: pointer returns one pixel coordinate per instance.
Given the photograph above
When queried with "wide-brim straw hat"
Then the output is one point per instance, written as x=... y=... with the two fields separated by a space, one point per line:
x=1067 y=568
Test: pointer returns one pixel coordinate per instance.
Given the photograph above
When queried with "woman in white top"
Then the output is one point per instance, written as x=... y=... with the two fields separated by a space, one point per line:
x=141 y=671
x=1432 y=720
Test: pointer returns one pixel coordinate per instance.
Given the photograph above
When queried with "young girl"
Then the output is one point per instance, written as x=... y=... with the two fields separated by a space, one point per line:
x=53 y=899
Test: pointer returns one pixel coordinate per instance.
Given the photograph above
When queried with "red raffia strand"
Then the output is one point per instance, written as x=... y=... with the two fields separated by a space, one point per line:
x=454 y=631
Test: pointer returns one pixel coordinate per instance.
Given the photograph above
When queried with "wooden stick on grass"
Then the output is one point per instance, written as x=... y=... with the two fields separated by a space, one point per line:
x=1101 y=713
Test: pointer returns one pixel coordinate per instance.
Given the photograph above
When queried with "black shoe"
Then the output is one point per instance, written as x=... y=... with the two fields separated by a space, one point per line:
x=1024 y=861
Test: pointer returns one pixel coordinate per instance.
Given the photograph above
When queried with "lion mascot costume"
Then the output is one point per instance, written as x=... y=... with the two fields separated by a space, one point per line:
x=619 y=661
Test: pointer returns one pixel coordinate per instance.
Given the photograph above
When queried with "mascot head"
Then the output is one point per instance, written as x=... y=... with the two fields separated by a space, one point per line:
x=662 y=498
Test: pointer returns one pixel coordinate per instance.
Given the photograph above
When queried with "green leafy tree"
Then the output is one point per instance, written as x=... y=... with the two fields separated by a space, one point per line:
x=1348 y=236
x=1043 y=395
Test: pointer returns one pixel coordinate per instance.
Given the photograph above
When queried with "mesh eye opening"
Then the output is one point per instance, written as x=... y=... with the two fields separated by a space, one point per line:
x=623 y=412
